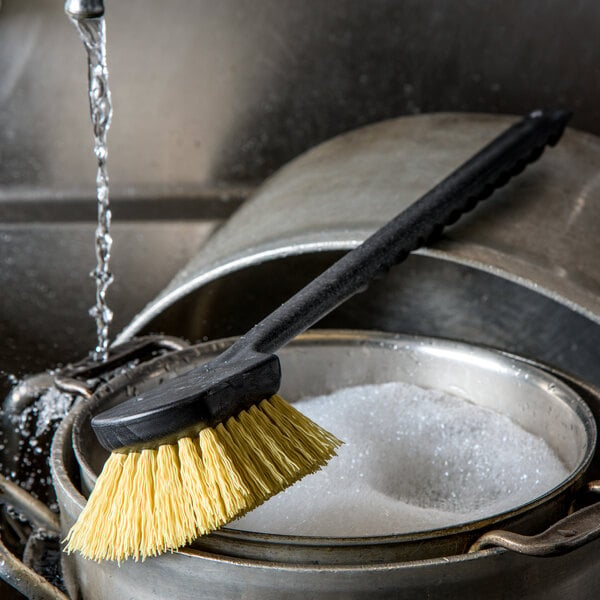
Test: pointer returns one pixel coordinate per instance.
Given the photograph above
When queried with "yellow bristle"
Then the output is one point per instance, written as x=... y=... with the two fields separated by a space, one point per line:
x=222 y=475
x=254 y=468
x=207 y=506
x=141 y=507
x=173 y=509
x=155 y=500
x=268 y=439
x=298 y=434
x=280 y=444
x=93 y=520
x=118 y=526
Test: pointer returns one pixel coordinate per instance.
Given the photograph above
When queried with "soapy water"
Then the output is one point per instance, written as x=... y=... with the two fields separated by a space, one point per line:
x=93 y=34
x=49 y=409
x=25 y=442
x=413 y=460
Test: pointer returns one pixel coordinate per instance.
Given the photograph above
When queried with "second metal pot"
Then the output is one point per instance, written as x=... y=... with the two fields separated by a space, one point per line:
x=518 y=274
x=317 y=363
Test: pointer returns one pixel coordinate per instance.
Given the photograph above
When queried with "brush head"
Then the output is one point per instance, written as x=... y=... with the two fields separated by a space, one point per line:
x=158 y=499
x=202 y=397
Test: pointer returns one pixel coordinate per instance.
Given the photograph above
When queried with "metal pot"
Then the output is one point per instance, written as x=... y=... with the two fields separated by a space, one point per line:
x=434 y=563
x=519 y=273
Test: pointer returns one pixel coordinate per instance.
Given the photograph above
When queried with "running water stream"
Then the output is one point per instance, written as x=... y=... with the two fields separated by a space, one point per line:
x=93 y=34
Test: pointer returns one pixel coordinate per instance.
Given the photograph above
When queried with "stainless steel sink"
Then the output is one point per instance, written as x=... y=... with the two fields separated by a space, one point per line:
x=45 y=283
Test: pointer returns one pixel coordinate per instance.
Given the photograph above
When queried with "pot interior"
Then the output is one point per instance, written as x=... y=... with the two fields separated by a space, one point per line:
x=322 y=362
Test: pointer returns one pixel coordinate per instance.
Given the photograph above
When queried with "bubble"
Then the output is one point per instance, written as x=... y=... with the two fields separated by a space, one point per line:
x=422 y=460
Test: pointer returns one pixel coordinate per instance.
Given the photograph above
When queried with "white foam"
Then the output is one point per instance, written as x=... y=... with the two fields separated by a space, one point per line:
x=413 y=460
x=53 y=405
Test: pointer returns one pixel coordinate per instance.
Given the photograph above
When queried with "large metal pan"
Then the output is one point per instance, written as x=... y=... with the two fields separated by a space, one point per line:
x=270 y=566
x=519 y=274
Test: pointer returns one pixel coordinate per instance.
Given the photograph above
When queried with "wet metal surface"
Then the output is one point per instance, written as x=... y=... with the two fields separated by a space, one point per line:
x=237 y=89
x=47 y=291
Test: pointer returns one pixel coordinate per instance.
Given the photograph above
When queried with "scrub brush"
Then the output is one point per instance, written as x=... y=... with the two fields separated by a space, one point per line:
x=209 y=445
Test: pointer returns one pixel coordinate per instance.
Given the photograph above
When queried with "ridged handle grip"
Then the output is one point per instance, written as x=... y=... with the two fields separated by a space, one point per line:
x=249 y=370
x=489 y=169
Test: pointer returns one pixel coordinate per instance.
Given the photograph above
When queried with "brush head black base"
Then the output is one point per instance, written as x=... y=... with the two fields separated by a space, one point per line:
x=202 y=397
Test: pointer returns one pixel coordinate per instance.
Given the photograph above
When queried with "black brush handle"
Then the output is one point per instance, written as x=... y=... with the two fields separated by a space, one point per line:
x=489 y=169
x=249 y=370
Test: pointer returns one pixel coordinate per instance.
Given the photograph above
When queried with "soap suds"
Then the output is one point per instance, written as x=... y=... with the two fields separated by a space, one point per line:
x=413 y=460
